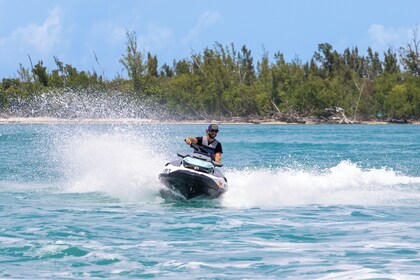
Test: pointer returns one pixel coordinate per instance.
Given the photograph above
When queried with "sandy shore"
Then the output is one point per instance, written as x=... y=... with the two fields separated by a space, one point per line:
x=49 y=120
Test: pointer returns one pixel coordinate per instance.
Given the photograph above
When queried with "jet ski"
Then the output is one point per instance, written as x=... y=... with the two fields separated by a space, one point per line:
x=194 y=175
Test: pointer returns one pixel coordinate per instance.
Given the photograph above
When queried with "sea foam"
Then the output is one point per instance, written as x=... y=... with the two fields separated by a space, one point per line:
x=345 y=183
x=118 y=163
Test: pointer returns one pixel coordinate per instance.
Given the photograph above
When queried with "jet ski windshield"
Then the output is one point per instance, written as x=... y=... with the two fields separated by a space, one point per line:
x=198 y=164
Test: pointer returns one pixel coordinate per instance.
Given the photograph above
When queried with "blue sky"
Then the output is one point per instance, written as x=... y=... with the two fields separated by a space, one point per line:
x=73 y=30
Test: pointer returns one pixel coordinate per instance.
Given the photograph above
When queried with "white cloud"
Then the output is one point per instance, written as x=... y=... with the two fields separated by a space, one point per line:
x=206 y=19
x=118 y=34
x=156 y=38
x=108 y=31
x=42 y=37
x=381 y=36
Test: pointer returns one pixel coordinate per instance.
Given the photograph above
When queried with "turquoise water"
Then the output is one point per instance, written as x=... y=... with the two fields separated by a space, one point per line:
x=305 y=202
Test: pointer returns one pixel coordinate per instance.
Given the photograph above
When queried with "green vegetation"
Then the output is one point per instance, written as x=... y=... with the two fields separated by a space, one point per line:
x=225 y=82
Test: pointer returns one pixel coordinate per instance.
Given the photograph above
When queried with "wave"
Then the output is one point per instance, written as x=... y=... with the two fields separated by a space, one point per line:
x=344 y=184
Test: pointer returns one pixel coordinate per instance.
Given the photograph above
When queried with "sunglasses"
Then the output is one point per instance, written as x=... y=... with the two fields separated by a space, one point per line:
x=213 y=130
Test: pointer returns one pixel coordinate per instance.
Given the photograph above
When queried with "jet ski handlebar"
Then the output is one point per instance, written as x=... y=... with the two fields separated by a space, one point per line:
x=201 y=151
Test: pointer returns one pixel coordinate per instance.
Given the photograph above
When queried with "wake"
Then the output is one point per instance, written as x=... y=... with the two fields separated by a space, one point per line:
x=344 y=184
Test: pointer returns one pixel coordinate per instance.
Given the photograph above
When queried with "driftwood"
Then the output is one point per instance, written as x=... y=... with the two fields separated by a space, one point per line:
x=289 y=118
x=337 y=115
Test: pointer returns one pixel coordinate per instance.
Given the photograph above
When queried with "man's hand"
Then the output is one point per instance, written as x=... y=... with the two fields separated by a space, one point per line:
x=218 y=157
x=188 y=141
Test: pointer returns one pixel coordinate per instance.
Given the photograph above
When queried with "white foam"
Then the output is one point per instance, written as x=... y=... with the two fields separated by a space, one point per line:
x=355 y=272
x=50 y=249
x=345 y=183
x=118 y=163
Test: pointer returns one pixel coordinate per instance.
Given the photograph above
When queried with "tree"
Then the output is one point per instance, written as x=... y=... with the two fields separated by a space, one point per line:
x=325 y=56
x=353 y=61
x=398 y=103
x=263 y=67
x=410 y=55
x=391 y=62
x=246 y=66
x=166 y=71
x=182 y=67
x=374 y=65
x=24 y=74
x=40 y=72
x=152 y=65
x=133 y=61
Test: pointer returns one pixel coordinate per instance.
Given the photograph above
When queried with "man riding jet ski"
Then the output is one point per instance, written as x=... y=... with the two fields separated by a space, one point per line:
x=209 y=142
x=196 y=175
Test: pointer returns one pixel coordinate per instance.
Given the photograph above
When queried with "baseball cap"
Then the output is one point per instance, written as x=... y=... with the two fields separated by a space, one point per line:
x=213 y=127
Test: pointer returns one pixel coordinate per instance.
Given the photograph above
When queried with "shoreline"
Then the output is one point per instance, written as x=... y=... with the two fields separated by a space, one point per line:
x=50 y=120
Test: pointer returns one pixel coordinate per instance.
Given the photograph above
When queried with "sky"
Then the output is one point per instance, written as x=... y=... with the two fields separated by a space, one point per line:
x=77 y=31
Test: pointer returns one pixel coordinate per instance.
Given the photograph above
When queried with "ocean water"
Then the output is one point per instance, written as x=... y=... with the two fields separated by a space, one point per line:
x=305 y=202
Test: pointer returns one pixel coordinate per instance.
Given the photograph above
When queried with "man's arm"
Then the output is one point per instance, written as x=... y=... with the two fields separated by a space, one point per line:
x=190 y=140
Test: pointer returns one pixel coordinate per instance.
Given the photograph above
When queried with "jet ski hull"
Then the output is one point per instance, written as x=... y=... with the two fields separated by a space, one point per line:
x=192 y=184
